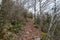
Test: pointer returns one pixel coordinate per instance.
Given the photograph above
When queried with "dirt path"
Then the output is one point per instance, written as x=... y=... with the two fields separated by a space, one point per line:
x=29 y=32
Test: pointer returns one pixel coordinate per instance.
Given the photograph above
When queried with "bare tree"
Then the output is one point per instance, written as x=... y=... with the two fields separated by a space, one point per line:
x=53 y=21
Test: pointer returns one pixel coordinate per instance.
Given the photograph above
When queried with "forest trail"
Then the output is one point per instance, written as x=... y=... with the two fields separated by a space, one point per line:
x=29 y=31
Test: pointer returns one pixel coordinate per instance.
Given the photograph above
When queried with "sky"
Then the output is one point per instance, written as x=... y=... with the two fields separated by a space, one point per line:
x=0 y=1
x=47 y=8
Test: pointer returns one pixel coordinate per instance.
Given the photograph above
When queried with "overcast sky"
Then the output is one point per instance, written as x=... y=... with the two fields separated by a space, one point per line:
x=0 y=1
x=48 y=8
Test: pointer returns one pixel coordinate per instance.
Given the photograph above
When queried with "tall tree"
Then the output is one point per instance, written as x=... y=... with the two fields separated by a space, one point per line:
x=6 y=8
x=53 y=20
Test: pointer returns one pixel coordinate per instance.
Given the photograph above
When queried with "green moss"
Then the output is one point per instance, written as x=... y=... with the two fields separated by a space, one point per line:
x=1 y=21
x=43 y=36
